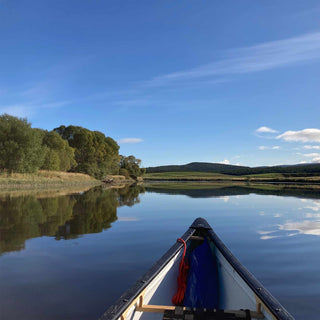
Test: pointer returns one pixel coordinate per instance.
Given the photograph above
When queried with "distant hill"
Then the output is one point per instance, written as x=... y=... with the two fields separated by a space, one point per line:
x=299 y=169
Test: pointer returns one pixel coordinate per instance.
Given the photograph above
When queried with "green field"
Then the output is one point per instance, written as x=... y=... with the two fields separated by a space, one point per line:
x=209 y=176
x=189 y=176
x=193 y=176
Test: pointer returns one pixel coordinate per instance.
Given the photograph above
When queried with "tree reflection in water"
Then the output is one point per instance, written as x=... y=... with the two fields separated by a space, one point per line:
x=64 y=217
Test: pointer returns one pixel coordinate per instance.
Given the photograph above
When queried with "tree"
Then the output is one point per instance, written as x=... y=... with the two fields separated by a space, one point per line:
x=51 y=160
x=132 y=165
x=21 y=147
x=59 y=155
x=95 y=154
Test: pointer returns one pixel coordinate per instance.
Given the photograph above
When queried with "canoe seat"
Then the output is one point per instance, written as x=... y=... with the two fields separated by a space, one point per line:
x=185 y=313
x=204 y=314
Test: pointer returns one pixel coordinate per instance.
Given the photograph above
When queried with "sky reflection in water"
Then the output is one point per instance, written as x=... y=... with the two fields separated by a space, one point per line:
x=306 y=222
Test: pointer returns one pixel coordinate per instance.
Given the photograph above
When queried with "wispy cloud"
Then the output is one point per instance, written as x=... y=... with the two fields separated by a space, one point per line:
x=130 y=140
x=266 y=130
x=261 y=57
x=56 y=104
x=27 y=110
x=268 y=148
x=306 y=135
x=308 y=147
x=312 y=155
x=17 y=110
x=36 y=92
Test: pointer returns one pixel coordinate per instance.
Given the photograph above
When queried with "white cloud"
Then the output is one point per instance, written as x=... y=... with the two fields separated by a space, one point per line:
x=265 y=56
x=225 y=161
x=312 y=154
x=266 y=130
x=315 y=156
x=130 y=140
x=311 y=147
x=270 y=148
x=306 y=135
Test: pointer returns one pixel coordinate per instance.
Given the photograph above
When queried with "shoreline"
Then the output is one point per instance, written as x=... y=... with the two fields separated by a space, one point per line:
x=276 y=178
x=55 y=180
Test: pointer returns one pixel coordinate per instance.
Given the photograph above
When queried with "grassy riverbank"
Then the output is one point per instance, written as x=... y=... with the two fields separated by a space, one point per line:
x=44 y=178
x=217 y=177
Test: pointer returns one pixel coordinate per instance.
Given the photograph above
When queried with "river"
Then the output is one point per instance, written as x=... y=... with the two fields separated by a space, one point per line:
x=71 y=256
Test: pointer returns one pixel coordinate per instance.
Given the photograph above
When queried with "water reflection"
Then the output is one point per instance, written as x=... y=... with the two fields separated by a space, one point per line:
x=68 y=216
x=305 y=227
x=79 y=279
x=307 y=222
x=225 y=190
x=64 y=217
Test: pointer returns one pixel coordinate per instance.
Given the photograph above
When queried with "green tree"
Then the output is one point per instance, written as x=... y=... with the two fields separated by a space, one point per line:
x=95 y=153
x=51 y=160
x=21 y=147
x=59 y=155
x=132 y=165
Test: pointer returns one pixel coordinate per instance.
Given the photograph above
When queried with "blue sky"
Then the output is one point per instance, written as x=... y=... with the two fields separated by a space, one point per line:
x=172 y=81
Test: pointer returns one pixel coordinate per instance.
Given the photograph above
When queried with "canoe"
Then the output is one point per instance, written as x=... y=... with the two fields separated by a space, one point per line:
x=204 y=280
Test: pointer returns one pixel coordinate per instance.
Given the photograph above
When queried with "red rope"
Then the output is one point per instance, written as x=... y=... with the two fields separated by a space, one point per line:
x=182 y=277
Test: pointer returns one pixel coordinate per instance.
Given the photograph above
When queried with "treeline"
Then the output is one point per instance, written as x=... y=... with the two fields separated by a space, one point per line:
x=290 y=170
x=25 y=149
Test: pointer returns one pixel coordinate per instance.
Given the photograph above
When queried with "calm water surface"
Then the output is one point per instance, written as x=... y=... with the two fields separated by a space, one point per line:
x=70 y=257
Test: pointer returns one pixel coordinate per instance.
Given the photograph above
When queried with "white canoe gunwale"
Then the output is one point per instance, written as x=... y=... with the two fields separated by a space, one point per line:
x=199 y=227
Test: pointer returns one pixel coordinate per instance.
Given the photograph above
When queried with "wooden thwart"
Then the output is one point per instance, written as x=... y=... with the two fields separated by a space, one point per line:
x=197 y=238
x=162 y=309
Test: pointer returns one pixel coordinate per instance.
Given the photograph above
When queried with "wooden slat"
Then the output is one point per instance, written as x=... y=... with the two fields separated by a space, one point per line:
x=156 y=309
x=197 y=238
x=161 y=309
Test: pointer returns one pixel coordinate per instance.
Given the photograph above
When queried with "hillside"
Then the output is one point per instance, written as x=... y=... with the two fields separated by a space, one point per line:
x=292 y=170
